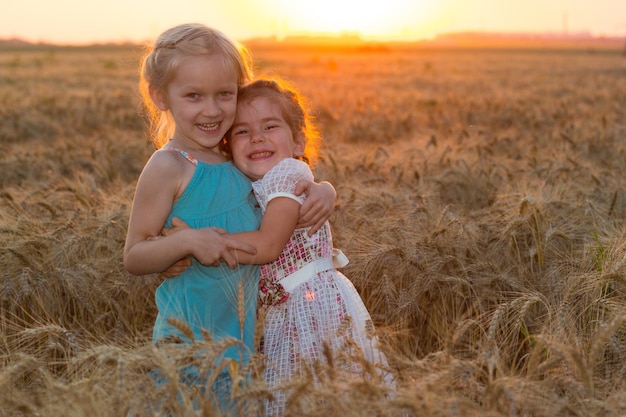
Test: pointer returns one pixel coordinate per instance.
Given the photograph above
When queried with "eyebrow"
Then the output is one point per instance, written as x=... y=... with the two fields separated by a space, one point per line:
x=272 y=119
x=263 y=120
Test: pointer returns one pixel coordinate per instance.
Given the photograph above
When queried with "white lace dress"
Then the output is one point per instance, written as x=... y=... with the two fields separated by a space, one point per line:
x=306 y=300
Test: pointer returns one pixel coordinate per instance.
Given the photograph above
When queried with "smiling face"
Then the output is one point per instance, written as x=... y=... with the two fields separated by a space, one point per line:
x=202 y=99
x=261 y=137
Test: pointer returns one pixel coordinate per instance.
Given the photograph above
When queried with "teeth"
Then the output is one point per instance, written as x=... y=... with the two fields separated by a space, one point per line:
x=208 y=126
x=260 y=155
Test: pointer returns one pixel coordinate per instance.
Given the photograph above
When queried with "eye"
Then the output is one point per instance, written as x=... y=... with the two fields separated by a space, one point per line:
x=226 y=93
x=193 y=96
x=271 y=127
x=240 y=132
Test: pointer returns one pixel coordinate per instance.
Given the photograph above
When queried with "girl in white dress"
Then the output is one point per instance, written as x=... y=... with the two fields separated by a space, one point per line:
x=306 y=301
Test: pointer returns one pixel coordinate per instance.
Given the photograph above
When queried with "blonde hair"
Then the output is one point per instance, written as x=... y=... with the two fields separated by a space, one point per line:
x=161 y=60
x=294 y=109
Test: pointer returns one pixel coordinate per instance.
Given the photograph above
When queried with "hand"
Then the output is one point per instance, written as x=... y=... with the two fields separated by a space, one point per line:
x=177 y=226
x=318 y=206
x=176 y=269
x=209 y=245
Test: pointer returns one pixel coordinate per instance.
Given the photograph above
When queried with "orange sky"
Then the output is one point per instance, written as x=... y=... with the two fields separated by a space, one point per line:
x=81 y=21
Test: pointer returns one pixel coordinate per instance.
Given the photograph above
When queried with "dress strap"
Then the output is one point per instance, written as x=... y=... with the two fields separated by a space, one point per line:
x=185 y=154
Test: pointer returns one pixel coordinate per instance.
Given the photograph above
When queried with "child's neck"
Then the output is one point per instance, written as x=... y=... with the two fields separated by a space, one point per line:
x=206 y=155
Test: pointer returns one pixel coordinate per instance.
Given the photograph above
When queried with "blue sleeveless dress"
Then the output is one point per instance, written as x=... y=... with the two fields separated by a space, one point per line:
x=213 y=298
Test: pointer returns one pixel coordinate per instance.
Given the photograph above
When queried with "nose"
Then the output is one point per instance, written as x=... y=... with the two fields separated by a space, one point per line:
x=211 y=108
x=257 y=137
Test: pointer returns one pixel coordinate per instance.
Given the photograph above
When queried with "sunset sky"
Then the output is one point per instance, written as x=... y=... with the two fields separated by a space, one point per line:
x=80 y=21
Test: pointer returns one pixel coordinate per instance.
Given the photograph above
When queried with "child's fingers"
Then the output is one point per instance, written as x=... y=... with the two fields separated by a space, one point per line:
x=302 y=186
x=176 y=269
x=240 y=245
x=177 y=226
x=179 y=223
x=230 y=256
x=313 y=216
x=230 y=259
x=317 y=224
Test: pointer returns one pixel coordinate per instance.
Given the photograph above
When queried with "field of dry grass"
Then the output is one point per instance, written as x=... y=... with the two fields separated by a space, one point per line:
x=481 y=201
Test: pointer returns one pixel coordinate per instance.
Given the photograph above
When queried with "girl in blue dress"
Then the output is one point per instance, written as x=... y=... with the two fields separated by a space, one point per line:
x=189 y=83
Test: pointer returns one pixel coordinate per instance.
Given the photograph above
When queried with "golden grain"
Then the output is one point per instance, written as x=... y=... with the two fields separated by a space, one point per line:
x=480 y=201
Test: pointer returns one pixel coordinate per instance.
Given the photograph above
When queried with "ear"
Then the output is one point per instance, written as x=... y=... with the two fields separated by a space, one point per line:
x=158 y=98
x=299 y=145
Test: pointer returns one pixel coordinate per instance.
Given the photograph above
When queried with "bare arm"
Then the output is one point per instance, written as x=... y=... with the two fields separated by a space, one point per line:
x=156 y=191
x=279 y=222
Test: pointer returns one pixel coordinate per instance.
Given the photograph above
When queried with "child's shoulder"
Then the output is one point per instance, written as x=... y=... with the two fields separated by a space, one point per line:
x=288 y=169
x=177 y=154
x=284 y=175
x=165 y=162
x=166 y=156
x=292 y=165
x=282 y=179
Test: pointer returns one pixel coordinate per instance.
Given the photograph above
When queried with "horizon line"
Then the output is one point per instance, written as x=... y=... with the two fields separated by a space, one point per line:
x=356 y=37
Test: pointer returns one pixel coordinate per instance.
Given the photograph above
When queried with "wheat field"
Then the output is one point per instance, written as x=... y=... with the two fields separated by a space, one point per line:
x=481 y=201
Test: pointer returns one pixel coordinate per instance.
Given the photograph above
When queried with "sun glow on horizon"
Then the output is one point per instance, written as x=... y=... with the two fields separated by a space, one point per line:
x=390 y=18
x=75 y=22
